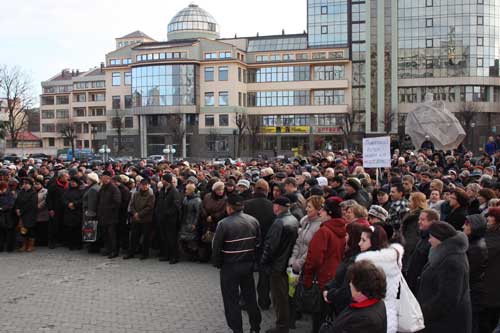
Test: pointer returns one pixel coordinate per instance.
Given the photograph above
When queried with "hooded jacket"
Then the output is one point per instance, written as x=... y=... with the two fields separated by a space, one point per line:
x=477 y=254
x=444 y=293
x=325 y=253
x=390 y=261
x=307 y=230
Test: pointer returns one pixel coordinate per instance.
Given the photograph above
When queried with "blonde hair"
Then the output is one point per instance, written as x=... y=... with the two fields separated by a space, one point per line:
x=316 y=201
x=191 y=187
x=438 y=184
x=418 y=200
x=359 y=211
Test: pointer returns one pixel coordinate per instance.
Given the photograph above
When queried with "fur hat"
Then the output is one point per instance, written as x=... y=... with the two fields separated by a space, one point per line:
x=442 y=230
x=217 y=185
x=93 y=177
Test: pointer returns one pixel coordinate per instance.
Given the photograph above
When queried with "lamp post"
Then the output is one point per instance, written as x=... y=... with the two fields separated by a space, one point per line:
x=235 y=132
x=169 y=151
x=105 y=151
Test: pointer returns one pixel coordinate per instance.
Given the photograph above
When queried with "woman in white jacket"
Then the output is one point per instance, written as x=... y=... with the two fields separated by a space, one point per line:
x=309 y=224
x=375 y=247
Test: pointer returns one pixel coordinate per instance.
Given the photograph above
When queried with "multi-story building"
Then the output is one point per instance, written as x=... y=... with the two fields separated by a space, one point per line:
x=73 y=107
x=450 y=49
x=366 y=63
x=197 y=91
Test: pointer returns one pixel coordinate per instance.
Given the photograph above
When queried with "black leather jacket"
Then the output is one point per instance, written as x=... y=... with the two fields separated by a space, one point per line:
x=279 y=243
x=236 y=240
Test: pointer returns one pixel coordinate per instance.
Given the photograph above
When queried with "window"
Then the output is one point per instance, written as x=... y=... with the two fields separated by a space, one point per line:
x=62 y=114
x=116 y=79
x=62 y=100
x=324 y=29
x=80 y=98
x=429 y=43
x=224 y=55
x=47 y=100
x=113 y=62
x=116 y=122
x=336 y=72
x=278 y=98
x=47 y=114
x=209 y=74
x=129 y=122
x=96 y=112
x=239 y=74
x=209 y=99
x=116 y=102
x=79 y=112
x=239 y=98
x=50 y=128
x=480 y=41
x=209 y=120
x=480 y=20
x=100 y=127
x=480 y=2
x=52 y=142
x=128 y=101
x=329 y=97
x=223 y=73
x=127 y=61
x=429 y=3
x=212 y=55
x=324 y=10
x=480 y=62
x=429 y=22
x=128 y=78
x=97 y=97
x=223 y=120
x=223 y=98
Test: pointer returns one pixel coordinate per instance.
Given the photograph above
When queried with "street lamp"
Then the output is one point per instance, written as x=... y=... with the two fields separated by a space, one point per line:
x=169 y=151
x=105 y=152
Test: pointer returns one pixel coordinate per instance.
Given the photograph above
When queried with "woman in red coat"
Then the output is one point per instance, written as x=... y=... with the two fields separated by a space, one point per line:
x=325 y=251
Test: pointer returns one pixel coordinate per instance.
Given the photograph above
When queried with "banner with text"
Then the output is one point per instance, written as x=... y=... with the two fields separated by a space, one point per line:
x=377 y=152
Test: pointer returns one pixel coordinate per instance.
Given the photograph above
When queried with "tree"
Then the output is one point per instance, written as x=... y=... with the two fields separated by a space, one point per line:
x=253 y=130
x=68 y=132
x=15 y=87
x=350 y=119
x=117 y=123
x=241 y=120
x=467 y=114
x=177 y=130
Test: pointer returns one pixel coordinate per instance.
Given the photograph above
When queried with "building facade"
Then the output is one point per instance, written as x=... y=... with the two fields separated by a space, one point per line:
x=359 y=69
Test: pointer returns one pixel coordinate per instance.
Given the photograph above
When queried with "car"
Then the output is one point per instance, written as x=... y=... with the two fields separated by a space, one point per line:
x=39 y=156
x=156 y=158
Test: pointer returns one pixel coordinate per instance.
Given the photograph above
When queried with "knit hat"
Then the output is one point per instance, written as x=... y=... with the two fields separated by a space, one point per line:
x=217 y=185
x=442 y=230
x=193 y=180
x=354 y=183
x=244 y=183
x=378 y=212
x=282 y=201
x=322 y=181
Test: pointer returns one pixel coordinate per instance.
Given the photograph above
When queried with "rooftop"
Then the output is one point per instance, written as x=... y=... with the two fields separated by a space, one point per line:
x=136 y=34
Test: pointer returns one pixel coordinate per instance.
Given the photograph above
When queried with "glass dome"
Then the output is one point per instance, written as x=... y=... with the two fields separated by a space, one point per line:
x=192 y=22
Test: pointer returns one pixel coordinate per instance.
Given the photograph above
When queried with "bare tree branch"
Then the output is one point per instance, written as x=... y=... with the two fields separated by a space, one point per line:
x=68 y=132
x=241 y=121
x=15 y=87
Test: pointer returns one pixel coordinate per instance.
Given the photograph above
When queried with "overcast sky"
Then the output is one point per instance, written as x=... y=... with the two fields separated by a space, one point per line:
x=45 y=36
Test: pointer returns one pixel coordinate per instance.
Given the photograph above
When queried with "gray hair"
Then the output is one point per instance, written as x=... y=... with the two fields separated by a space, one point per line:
x=62 y=173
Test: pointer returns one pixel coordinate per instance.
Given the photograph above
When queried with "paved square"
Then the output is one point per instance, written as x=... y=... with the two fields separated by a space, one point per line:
x=63 y=291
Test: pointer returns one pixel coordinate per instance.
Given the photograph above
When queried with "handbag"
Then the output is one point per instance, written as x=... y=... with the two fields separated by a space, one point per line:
x=208 y=236
x=327 y=326
x=308 y=300
x=410 y=316
x=89 y=230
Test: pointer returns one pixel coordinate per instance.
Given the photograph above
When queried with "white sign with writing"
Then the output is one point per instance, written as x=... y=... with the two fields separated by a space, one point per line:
x=377 y=152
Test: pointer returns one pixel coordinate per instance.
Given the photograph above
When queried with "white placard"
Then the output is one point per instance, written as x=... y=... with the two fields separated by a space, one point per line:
x=377 y=152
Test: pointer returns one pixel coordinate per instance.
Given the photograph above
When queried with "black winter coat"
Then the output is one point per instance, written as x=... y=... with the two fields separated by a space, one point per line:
x=55 y=199
x=491 y=290
x=7 y=202
x=410 y=230
x=417 y=262
x=125 y=200
x=168 y=207
x=262 y=209
x=339 y=292
x=279 y=243
x=372 y=319
x=477 y=254
x=444 y=293
x=27 y=203
x=457 y=218
x=108 y=204
x=73 y=216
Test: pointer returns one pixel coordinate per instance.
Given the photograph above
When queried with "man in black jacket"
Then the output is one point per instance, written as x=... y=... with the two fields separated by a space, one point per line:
x=262 y=209
x=55 y=206
x=278 y=247
x=108 y=205
x=234 y=250
x=168 y=208
x=420 y=256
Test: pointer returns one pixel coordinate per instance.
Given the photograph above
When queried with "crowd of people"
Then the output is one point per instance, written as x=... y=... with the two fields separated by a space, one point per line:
x=321 y=222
